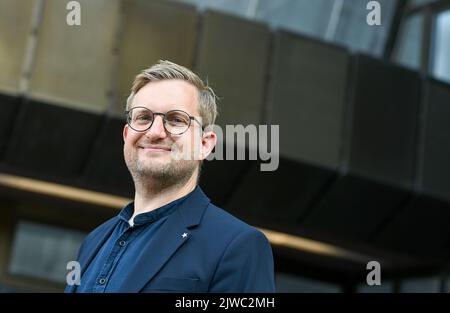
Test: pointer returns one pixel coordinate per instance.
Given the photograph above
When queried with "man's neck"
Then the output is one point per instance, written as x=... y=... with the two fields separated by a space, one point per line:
x=149 y=197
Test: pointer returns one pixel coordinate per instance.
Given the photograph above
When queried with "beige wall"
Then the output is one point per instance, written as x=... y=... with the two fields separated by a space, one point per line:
x=74 y=64
x=153 y=30
x=15 y=26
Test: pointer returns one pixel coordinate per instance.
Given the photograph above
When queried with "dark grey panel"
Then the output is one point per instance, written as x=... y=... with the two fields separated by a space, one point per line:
x=281 y=196
x=51 y=141
x=384 y=124
x=154 y=30
x=9 y=106
x=219 y=178
x=436 y=155
x=354 y=208
x=233 y=57
x=420 y=228
x=106 y=169
x=309 y=83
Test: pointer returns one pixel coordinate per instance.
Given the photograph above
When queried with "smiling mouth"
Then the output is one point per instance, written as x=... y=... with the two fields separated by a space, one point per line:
x=156 y=149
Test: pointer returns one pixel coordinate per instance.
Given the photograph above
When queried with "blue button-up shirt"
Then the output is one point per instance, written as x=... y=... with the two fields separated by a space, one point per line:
x=109 y=268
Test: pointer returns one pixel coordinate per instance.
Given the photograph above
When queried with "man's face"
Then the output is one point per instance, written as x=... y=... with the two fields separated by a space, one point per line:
x=150 y=154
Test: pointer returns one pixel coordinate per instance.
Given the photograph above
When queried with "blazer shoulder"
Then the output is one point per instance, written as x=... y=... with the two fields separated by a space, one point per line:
x=223 y=221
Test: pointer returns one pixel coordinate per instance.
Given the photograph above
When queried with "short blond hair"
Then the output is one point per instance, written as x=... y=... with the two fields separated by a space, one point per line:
x=165 y=70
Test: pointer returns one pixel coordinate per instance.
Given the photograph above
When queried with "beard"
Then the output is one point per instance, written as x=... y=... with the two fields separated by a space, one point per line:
x=160 y=171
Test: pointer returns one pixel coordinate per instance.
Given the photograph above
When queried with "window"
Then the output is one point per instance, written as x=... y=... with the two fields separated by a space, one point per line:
x=441 y=51
x=42 y=251
x=408 y=47
x=342 y=22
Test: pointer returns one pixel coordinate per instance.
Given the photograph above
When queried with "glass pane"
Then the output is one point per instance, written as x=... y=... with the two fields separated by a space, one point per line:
x=235 y=7
x=354 y=32
x=407 y=50
x=300 y=16
x=441 y=57
x=421 y=285
x=290 y=283
x=339 y=21
x=385 y=287
x=42 y=251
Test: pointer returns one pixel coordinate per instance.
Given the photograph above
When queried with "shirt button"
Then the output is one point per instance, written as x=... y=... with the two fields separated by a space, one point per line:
x=102 y=281
x=122 y=243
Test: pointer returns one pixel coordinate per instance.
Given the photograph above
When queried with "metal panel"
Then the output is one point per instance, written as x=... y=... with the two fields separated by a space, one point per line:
x=420 y=228
x=154 y=30
x=74 y=64
x=51 y=141
x=15 y=25
x=384 y=122
x=435 y=177
x=9 y=106
x=219 y=178
x=280 y=196
x=233 y=57
x=353 y=208
x=106 y=169
x=309 y=82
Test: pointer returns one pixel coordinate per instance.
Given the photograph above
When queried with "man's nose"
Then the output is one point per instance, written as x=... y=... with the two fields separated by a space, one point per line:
x=157 y=130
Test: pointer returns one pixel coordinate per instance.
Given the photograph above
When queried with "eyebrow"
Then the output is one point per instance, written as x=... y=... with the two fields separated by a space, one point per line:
x=182 y=109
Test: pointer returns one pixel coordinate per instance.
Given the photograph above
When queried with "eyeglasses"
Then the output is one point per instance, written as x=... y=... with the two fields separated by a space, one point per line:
x=176 y=122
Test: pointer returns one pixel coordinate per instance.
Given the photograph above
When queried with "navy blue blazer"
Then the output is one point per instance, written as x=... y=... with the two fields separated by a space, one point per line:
x=199 y=248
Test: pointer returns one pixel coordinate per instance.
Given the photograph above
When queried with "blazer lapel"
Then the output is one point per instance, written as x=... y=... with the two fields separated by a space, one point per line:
x=156 y=253
x=167 y=240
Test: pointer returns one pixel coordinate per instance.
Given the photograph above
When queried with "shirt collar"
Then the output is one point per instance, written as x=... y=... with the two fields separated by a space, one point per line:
x=144 y=218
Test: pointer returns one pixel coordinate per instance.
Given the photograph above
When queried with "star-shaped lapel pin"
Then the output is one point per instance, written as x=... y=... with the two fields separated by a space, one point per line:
x=184 y=235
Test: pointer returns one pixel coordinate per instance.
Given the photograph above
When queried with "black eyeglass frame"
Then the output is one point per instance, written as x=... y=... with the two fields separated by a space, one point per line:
x=191 y=118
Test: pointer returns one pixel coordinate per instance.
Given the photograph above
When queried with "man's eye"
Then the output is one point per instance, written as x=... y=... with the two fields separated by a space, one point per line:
x=177 y=120
x=143 y=118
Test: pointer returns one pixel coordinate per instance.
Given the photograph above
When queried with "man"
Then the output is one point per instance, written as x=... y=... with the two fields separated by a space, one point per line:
x=172 y=238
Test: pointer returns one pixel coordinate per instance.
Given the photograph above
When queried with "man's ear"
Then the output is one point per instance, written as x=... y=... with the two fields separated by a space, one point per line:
x=125 y=132
x=209 y=140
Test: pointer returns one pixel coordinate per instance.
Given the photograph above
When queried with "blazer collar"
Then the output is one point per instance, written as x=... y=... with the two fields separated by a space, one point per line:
x=192 y=209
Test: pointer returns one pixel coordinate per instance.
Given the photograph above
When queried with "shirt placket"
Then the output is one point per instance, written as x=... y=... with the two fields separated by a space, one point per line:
x=116 y=253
